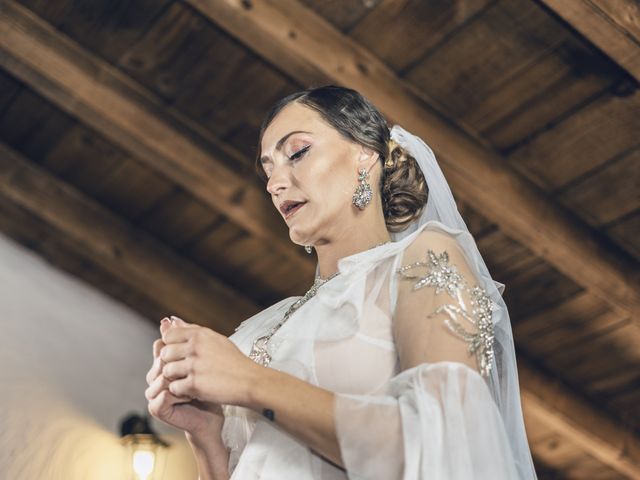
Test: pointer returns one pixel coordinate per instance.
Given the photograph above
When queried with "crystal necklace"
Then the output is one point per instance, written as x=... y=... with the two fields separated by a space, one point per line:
x=259 y=350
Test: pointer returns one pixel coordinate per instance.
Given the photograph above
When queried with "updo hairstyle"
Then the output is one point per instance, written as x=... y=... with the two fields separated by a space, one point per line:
x=402 y=186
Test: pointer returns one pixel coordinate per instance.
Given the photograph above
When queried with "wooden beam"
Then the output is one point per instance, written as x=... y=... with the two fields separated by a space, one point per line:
x=284 y=32
x=611 y=25
x=128 y=254
x=61 y=252
x=134 y=119
x=552 y=404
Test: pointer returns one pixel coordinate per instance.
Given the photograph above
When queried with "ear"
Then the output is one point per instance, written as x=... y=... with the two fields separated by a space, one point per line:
x=367 y=158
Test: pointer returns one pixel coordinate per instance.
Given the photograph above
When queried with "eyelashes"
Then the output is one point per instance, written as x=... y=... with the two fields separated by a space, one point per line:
x=300 y=153
x=296 y=156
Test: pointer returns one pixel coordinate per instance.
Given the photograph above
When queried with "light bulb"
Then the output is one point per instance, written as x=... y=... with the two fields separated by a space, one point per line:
x=143 y=463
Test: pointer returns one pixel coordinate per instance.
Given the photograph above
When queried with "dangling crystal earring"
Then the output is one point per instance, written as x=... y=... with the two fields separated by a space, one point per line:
x=308 y=248
x=362 y=195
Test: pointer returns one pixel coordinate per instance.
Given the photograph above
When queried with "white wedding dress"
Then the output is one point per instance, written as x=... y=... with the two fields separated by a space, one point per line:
x=411 y=401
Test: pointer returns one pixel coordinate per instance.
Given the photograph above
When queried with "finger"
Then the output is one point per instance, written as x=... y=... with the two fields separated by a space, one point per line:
x=155 y=370
x=165 y=324
x=178 y=334
x=176 y=370
x=163 y=400
x=182 y=387
x=157 y=346
x=155 y=387
x=175 y=351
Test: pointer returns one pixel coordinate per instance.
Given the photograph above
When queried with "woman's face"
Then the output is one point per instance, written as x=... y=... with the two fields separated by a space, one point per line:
x=318 y=168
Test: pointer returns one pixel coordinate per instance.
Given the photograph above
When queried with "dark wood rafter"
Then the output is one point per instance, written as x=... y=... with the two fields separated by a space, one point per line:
x=551 y=403
x=520 y=210
x=125 y=252
x=613 y=27
x=107 y=100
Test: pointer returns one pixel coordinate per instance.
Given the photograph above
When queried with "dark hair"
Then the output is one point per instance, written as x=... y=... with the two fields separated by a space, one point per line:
x=402 y=186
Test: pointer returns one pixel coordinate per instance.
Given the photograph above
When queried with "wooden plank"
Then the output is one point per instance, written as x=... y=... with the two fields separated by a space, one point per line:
x=177 y=219
x=573 y=334
x=80 y=155
x=53 y=12
x=522 y=212
x=33 y=125
x=612 y=26
x=126 y=253
x=591 y=137
x=558 y=452
x=109 y=28
x=344 y=14
x=552 y=85
x=497 y=46
x=581 y=307
x=613 y=381
x=550 y=403
x=535 y=287
x=9 y=89
x=626 y=233
x=120 y=189
x=545 y=110
x=137 y=122
x=208 y=251
x=502 y=254
x=477 y=223
x=167 y=53
x=609 y=193
x=401 y=33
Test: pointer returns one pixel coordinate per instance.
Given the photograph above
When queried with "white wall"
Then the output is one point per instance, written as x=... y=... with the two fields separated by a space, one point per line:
x=72 y=364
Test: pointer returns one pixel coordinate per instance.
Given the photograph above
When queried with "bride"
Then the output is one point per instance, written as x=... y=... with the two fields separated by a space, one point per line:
x=397 y=363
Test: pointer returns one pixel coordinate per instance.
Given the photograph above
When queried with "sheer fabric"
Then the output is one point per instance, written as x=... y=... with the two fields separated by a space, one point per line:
x=411 y=400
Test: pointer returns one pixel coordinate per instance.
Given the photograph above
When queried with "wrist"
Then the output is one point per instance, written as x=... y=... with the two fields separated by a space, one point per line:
x=253 y=385
x=205 y=434
x=260 y=387
x=211 y=456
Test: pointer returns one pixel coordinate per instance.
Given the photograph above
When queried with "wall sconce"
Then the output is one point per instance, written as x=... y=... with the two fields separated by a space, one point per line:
x=146 y=451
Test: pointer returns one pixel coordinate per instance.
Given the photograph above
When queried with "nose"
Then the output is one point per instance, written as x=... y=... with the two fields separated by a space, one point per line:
x=279 y=179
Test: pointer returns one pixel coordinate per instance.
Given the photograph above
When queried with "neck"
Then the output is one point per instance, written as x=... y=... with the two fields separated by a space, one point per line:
x=349 y=243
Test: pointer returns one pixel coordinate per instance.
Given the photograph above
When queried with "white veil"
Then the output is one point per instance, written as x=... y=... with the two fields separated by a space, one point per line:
x=503 y=379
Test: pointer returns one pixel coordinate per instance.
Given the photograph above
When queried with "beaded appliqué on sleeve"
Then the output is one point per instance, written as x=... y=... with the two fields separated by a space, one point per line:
x=445 y=277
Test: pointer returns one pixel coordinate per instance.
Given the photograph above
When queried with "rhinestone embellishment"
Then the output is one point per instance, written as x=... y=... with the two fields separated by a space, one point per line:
x=444 y=276
x=363 y=193
x=260 y=349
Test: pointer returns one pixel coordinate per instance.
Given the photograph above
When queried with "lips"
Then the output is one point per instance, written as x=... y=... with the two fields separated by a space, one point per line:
x=289 y=207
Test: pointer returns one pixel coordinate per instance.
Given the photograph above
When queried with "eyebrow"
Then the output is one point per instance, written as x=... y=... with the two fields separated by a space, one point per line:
x=264 y=158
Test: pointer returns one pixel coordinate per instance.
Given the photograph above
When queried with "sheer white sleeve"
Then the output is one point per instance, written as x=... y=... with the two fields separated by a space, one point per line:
x=437 y=418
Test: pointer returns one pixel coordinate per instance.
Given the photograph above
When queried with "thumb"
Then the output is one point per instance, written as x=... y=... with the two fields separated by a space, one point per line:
x=165 y=324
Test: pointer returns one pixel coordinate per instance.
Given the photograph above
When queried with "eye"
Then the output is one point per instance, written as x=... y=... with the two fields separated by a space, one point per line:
x=300 y=153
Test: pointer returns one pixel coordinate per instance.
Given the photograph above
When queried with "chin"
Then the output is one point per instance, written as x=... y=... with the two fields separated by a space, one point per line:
x=298 y=237
x=301 y=235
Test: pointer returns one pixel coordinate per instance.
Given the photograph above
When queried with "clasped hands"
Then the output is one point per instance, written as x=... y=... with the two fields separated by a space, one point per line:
x=195 y=370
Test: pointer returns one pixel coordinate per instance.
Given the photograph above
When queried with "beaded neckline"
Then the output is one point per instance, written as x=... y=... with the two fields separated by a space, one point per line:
x=260 y=348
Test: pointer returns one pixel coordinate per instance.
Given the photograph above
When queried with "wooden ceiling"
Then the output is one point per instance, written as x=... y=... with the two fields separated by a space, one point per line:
x=128 y=131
